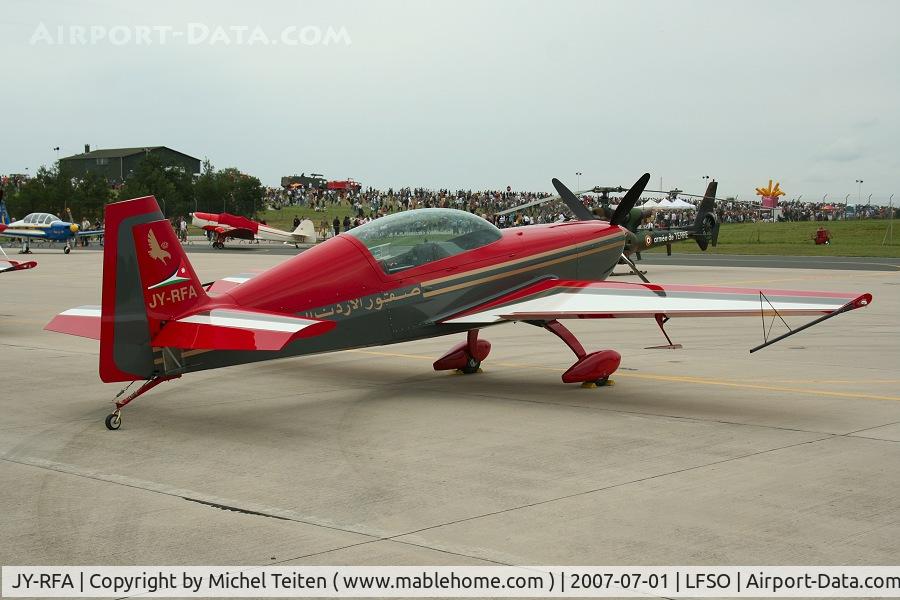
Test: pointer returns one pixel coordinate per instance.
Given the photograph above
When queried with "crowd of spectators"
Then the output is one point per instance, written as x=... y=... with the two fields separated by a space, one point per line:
x=369 y=203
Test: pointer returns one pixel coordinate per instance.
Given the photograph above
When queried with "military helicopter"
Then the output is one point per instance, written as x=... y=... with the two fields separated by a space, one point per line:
x=704 y=230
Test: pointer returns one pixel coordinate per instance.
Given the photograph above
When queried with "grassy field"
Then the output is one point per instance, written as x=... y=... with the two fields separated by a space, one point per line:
x=848 y=238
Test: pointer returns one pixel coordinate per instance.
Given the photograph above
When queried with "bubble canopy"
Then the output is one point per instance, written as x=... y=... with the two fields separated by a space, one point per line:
x=412 y=238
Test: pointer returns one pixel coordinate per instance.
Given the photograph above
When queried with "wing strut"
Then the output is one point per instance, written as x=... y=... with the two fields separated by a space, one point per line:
x=858 y=302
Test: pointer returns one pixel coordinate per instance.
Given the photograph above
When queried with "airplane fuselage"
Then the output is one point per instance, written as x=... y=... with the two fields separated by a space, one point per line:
x=340 y=280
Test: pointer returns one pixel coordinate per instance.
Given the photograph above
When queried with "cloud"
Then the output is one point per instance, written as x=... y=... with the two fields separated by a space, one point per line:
x=841 y=150
x=865 y=122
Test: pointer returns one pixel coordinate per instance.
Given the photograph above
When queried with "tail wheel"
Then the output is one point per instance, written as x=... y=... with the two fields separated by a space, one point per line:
x=114 y=421
x=67 y=250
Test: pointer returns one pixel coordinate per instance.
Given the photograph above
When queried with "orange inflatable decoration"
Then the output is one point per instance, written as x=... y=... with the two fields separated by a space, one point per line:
x=770 y=194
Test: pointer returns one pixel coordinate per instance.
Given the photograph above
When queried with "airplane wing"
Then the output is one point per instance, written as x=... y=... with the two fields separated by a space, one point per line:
x=233 y=232
x=23 y=233
x=216 y=329
x=560 y=299
x=14 y=265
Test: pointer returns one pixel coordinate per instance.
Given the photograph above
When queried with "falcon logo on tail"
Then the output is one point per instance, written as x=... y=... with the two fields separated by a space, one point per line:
x=155 y=250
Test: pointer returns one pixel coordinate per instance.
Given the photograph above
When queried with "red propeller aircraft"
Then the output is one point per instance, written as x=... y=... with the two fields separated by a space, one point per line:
x=411 y=275
x=225 y=226
x=7 y=264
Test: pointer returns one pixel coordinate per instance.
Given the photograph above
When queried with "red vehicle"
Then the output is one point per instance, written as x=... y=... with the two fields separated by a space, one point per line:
x=822 y=236
x=411 y=275
x=348 y=185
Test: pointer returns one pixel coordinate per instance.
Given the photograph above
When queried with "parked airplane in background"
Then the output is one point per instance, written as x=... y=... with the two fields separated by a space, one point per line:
x=226 y=226
x=7 y=264
x=410 y=275
x=47 y=227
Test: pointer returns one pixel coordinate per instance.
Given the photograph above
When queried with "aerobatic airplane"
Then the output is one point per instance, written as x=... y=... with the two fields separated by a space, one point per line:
x=411 y=275
x=44 y=226
x=7 y=264
x=225 y=225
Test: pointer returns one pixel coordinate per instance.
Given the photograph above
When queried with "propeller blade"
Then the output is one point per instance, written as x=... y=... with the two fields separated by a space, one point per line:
x=628 y=200
x=575 y=205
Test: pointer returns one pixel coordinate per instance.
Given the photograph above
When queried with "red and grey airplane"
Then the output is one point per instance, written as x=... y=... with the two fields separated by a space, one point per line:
x=225 y=225
x=411 y=275
x=7 y=264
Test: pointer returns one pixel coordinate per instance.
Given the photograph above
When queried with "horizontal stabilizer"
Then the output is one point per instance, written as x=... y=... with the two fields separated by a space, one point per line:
x=220 y=286
x=237 y=329
x=83 y=321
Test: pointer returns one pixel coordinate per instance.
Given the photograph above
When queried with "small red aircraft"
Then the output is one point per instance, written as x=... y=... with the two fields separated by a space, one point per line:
x=7 y=264
x=411 y=275
x=225 y=225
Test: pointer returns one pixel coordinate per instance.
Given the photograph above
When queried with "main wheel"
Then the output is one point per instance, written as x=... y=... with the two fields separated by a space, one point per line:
x=471 y=367
x=67 y=249
x=113 y=421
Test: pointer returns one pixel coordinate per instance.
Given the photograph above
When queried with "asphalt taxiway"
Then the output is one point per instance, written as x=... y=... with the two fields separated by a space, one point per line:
x=199 y=245
x=706 y=455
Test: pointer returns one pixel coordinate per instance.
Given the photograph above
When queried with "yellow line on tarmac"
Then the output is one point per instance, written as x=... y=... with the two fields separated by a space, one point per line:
x=668 y=378
x=802 y=278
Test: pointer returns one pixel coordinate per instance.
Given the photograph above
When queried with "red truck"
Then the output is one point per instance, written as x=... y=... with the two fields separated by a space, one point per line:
x=346 y=184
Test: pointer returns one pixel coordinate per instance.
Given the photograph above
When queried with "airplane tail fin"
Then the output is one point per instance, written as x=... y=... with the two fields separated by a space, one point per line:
x=305 y=232
x=706 y=224
x=147 y=281
x=154 y=306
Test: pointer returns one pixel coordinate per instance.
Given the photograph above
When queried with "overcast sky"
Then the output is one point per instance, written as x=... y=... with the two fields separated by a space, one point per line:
x=465 y=94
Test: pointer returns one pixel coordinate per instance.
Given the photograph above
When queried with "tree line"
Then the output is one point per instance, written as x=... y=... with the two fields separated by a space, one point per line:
x=57 y=190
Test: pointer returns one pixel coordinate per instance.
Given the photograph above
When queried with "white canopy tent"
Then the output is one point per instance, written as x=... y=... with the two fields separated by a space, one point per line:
x=680 y=204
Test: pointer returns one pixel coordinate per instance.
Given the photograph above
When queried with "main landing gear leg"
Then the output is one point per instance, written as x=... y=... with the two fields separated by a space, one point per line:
x=591 y=370
x=466 y=356
x=114 y=420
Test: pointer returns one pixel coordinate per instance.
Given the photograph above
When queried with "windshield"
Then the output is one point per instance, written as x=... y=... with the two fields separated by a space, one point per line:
x=412 y=238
